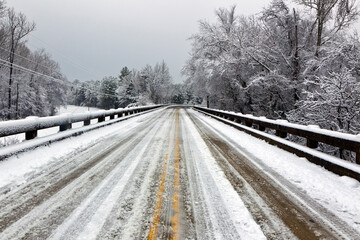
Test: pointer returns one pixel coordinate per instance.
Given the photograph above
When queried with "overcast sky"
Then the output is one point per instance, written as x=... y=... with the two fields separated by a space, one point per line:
x=96 y=38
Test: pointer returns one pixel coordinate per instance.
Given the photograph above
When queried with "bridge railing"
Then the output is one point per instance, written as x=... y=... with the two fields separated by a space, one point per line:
x=31 y=125
x=313 y=134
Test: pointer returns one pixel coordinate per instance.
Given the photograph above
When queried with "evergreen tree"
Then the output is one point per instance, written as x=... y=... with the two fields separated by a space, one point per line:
x=108 y=97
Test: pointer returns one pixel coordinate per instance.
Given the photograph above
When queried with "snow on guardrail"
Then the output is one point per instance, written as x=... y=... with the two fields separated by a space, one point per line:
x=31 y=125
x=285 y=123
x=312 y=134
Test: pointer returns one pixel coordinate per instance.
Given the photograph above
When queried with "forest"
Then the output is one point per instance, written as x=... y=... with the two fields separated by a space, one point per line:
x=149 y=85
x=299 y=63
x=32 y=83
x=296 y=60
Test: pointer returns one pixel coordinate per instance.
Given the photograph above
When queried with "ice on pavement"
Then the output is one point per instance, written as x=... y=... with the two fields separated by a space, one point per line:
x=340 y=195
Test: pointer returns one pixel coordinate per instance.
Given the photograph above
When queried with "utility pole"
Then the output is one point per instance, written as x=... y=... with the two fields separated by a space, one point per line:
x=17 y=100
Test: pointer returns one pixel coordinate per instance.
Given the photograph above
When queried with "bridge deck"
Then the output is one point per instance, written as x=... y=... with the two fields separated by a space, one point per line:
x=172 y=174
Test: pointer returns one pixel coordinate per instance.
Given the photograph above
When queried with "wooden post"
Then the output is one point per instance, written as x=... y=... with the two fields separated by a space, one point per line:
x=312 y=143
x=30 y=135
x=261 y=128
x=112 y=117
x=101 y=119
x=248 y=123
x=65 y=127
x=358 y=157
x=281 y=134
x=87 y=122
x=207 y=102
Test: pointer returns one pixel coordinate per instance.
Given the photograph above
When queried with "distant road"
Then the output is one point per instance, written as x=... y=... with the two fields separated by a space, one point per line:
x=173 y=176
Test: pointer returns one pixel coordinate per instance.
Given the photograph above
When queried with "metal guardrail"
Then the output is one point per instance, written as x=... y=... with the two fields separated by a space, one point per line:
x=312 y=134
x=31 y=125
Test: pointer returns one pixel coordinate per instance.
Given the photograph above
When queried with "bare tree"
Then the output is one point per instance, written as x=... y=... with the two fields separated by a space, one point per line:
x=341 y=12
x=17 y=27
x=2 y=8
x=2 y=27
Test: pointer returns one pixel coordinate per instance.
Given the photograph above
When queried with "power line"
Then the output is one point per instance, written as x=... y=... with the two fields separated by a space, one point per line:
x=29 y=70
x=72 y=62
x=26 y=70
x=30 y=60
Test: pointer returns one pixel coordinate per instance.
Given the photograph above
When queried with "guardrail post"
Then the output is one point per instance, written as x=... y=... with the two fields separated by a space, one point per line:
x=358 y=157
x=112 y=117
x=101 y=119
x=262 y=128
x=120 y=115
x=281 y=134
x=248 y=123
x=87 y=122
x=311 y=143
x=65 y=127
x=30 y=135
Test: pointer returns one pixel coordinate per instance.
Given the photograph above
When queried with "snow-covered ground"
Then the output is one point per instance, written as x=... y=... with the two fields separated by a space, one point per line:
x=17 y=169
x=75 y=109
x=118 y=182
x=340 y=195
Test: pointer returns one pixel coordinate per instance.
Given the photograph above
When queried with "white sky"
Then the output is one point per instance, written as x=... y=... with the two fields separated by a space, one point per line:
x=96 y=38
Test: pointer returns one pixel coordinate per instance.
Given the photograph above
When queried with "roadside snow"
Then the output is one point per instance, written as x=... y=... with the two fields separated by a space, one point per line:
x=19 y=168
x=340 y=195
x=75 y=109
x=337 y=161
x=224 y=204
x=285 y=123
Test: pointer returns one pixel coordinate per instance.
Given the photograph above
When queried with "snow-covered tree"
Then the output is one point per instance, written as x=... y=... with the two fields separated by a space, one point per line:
x=331 y=16
x=126 y=90
x=159 y=85
x=32 y=83
x=108 y=98
x=259 y=64
x=17 y=27
x=332 y=102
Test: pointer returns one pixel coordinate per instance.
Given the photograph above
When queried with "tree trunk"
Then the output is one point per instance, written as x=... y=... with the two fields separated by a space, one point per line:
x=296 y=63
x=12 y=53
x=319 y=37
x=17 y=101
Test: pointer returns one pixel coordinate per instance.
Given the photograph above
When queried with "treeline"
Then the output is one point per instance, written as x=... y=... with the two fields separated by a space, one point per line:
x=31 y=82
x=150 y=85
x=297 y=64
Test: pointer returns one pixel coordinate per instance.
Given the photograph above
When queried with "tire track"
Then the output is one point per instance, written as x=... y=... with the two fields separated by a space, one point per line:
x=22 y=202
x=295 y=215
x=218 y=211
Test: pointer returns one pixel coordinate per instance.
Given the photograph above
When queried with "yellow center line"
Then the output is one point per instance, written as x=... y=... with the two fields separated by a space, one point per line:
x=175 y=220
x=154 y=227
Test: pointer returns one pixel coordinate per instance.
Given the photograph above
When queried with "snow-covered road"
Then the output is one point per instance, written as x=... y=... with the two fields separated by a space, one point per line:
x=172 y=174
